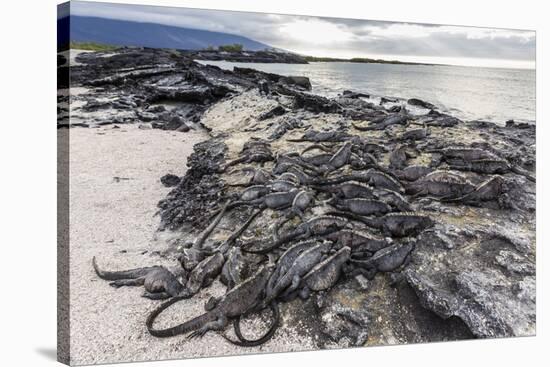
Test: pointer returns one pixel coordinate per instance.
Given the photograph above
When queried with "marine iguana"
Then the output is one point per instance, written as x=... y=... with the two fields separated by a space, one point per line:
x=275 y=111
x=364 y=161
x=358 y=241
x=349 y=190
x=158 y=281
x=236 y=268
x=441 y=183
x=486 y=166
x=297 y=200
x=317 y=226
x=191 y=257
x=413 y=173
x=286 y=260
x=367 y=147
x=290 y=176
x=401 y=224
x=323 y=136
x=300 y=203
x=400 y=118
x=361 y=206
x=373 y=177
x=415 y=134
x=297 y=171
x=233 y=268
x=384 y=260
x=290 y=280
x=259 y=177
x=383 y=180
x=393 y=224
x=322 y=147
x=253 y=151
x=392 y=198
x=282 y=127
x=259 y=157
x=204 y=274
x=279 y=200
x=340 y=158
x=254 y=192
x=398 y=157
x=273 y=200
x=490 y=166
x=284 y=162
x=238 y=301
x=298 y=207
x=319 y=159
x=489 y=190
x=281 y=185
x=465 y=154
x=325 y=274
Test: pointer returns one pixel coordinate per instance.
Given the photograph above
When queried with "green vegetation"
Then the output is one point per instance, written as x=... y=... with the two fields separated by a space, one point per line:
x=231 y=48
x=358 y=59
x=92 y=46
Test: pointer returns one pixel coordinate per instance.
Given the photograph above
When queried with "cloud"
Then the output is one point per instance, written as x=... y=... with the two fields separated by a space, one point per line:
x=315 y=31
x=337 y=37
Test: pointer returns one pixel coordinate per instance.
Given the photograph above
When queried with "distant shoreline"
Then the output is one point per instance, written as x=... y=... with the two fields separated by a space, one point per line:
x=365 y=60
x=284 y=57
x=266 y=56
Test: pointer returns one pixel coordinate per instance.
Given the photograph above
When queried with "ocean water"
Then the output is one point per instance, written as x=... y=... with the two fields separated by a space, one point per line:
x=469 y=93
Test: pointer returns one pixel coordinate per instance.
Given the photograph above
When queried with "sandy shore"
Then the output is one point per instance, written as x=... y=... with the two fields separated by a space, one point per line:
x=114 y=220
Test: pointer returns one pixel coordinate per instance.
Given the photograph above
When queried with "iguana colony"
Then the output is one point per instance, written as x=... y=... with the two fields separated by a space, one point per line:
x=340 y=202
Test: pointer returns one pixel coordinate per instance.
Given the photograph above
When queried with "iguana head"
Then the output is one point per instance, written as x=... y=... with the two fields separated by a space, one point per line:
x=180 y=273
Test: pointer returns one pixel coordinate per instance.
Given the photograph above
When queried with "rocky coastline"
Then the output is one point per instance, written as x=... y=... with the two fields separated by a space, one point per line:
x=266 y=57
x=460 y=264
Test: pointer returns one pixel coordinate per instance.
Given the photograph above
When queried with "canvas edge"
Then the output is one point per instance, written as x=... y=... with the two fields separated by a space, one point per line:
x=63 y=250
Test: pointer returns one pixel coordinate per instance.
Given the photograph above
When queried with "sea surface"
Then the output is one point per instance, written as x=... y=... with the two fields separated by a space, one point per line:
x=469 y=93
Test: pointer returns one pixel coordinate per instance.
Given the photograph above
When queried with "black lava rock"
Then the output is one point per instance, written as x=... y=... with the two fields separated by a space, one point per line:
x=170 y=180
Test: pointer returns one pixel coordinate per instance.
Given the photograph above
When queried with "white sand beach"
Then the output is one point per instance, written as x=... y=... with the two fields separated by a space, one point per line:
x=114 y=220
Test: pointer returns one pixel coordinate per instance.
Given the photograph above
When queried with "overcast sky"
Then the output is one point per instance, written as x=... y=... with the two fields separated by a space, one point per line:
x=344 y=38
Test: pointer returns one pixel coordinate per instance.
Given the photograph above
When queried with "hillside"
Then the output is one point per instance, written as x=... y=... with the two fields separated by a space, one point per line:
x=128 y=33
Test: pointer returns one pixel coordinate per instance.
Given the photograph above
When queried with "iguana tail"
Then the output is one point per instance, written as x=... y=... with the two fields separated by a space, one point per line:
x=451 y=199
x=243 y=342
x=334 y=181
x=248 y=247
x=371 y=222
x=316 y=146
x=363 y=128
x=230 y=206
x=233 y=237
x=232 y=163
x=298 y=140
x=204 y=235
x=117 y=275
x=184 y=328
